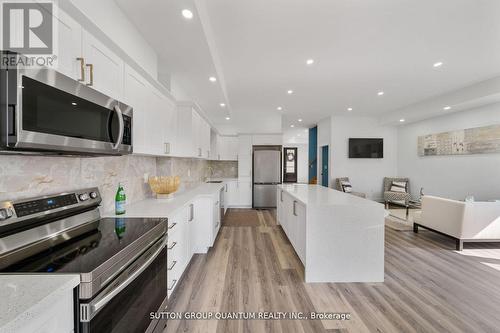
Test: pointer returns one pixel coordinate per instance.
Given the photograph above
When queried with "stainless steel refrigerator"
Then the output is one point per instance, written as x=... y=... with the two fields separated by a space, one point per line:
x=266 y=175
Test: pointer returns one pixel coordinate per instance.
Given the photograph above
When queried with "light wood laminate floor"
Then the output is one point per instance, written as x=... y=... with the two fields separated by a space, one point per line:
x=428 y=286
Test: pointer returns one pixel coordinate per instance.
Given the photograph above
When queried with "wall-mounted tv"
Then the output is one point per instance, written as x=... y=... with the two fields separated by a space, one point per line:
x=366 y=148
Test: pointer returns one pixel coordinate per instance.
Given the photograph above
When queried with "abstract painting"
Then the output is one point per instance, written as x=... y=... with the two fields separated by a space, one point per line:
x=478 y=140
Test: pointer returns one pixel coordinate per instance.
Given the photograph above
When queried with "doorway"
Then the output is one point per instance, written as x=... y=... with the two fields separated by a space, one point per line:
x=324 y=166
x=290 y=165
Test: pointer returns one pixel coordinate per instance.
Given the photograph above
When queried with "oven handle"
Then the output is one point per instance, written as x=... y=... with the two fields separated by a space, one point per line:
x=122 y=127
x=98 y=305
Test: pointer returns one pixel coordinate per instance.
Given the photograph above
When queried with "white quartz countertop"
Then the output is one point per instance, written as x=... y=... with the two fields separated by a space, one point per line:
x=24 y=296
x=317 y=195
x=161 y=208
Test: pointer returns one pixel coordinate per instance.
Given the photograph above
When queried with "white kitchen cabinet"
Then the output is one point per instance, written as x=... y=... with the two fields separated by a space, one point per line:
x=244 y=145
x=205 y=139
x=232 y=195
x=193 y=133
x=292 y=217
x=179 y=247
x=244 y=166
x=135 y=91
x=70 y=46
x=227 y=147
x=169 y=125
x=214 y=152
x=155 y=116
x=244 y=192
x=104 y=68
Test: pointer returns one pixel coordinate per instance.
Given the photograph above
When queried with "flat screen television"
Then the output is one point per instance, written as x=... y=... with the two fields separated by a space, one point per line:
x=366 y=148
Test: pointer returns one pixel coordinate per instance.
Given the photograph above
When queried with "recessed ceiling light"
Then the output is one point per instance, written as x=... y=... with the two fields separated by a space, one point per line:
x=222 y=105
x=300 y=120
x=349 y=109
x=310 y=62
x=380 y=93
x=212 y=79
x=447 y=107
x=228 y=118
x=187 y=14
x=289 y=92
x=292 y=126
x=73 y=103
x=438 y=64
x=402 y=120
x=279 y=108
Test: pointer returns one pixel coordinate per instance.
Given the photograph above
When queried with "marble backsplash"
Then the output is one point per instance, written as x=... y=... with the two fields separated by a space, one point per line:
x=28 y=176
x=223 y=169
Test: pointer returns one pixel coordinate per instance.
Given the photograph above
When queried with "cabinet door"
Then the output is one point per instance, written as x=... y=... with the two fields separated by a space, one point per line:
x=214 y=153
x=244 y=145
x=232 y=193
x=135 y=89
x=185 y=133
x=300 y=237
x=245 y=166
x=170 y=126
x=197 y=125
x=245 y=192
x=233 y=148
x=107 y=70
x=156 y=120
x=70 y=46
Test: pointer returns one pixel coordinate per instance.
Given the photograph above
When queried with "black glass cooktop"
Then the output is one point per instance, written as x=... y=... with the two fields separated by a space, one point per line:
x=84 y=253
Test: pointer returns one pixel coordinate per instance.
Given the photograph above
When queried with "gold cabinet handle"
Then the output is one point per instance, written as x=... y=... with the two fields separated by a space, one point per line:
x=82 y=69
x=172 y=225
x=172 y=246
x=91 y=72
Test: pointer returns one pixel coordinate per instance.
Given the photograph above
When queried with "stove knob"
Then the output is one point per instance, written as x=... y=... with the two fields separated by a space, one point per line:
x=93 y=195
x=83 y=197
x=5 y=213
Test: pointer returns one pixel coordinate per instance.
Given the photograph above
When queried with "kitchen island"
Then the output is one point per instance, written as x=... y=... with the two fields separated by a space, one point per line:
x=338 y=237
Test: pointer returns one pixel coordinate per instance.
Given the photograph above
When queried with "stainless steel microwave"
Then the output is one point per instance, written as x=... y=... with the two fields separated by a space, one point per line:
x=42 y=110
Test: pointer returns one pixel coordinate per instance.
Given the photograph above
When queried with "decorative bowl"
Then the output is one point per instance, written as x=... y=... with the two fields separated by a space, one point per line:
x=164 y=186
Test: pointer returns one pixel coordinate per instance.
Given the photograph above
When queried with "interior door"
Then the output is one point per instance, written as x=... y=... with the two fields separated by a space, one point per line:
x=324 y=166
x=290 y=165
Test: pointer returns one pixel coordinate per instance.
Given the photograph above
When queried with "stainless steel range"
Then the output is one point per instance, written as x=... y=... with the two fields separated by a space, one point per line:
x=122 y=262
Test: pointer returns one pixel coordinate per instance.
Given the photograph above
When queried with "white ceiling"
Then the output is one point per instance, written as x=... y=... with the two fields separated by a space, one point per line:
x=258 y=50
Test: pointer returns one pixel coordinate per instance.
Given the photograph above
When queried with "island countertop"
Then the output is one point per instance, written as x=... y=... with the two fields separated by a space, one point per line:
x=317 y=195
x=339 y=237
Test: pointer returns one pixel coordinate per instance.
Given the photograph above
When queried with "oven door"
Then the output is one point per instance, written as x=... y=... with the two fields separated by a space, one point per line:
x=127 y=303
x=53 y=112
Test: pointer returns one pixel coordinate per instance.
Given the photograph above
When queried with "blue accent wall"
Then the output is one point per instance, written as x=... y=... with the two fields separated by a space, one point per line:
x=313 y=153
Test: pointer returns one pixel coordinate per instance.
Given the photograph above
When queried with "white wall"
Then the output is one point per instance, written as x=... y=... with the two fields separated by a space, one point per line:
x=453 y=177
x=302 y=162
x=366 y=175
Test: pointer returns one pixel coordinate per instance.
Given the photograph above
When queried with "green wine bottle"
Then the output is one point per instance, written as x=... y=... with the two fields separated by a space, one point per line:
x=120 y=200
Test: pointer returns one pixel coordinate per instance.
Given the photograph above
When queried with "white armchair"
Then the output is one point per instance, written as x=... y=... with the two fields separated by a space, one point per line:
x=464 y=221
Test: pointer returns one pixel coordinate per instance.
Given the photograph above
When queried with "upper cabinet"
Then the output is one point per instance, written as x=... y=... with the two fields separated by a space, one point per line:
x=227 y=148
x=104 y=68
x=70 y=42
x=160 y=126
x=193 y=133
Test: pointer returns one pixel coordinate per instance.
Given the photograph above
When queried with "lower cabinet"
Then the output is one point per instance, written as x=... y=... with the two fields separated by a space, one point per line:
x=179 y=247
x=193 y=229
x=291 y=215
x=238 y=193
